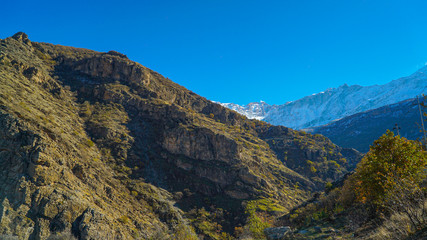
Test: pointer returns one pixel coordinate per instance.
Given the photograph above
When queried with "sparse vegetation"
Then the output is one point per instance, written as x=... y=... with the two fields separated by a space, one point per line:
x=256 y=222
x=124 y=138
x=383 y=199
x=124 y=219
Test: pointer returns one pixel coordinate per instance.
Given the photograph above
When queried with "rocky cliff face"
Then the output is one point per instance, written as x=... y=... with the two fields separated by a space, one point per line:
x=53 y=180
x=95 y=146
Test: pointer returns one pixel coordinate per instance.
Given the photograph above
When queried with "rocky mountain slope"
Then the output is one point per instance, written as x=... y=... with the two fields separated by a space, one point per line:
x=360 y=130
x=336 y=103
x=95 y=146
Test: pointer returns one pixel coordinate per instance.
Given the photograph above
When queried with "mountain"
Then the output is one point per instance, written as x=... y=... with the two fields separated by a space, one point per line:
x=335 y=103
x=252 y=110
x=96 y=146
x=360 y=130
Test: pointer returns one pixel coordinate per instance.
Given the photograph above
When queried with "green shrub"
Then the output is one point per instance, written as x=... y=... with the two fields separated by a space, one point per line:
x=255 y=224
x=90 y=143
x=328 y=186
x=124 y=219
x=313 y=169
x=319 y=215
x=184 y=232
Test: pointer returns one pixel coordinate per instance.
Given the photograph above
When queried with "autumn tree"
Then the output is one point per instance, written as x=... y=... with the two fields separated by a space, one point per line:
x=391 y=162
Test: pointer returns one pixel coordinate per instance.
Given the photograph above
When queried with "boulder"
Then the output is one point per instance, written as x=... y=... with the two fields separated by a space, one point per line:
x=277 y=232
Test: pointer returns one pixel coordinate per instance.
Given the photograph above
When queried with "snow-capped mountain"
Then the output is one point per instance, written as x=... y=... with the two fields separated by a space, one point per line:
x=335 y=103
x=255 y=110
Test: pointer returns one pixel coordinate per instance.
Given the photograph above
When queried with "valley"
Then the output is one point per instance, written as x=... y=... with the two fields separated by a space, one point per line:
x=95 y=146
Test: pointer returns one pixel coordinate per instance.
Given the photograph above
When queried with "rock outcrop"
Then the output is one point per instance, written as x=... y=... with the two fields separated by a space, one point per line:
x=277 y=233
x=95 y=146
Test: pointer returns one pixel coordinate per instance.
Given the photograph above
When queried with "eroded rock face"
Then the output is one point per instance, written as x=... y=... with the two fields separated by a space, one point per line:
x=52 y=179
x=94 y=225
x=22 y=37
x=201 y=144
x=112 y=66
x=31 y=206
x=97 y=144
x=313 y=156
x=13 y=223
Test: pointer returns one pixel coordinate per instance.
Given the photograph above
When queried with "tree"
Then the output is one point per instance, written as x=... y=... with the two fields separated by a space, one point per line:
x=409 y=199
x=391 y=161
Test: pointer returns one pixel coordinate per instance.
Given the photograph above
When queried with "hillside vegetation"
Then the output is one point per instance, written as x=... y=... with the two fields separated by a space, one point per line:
x=385 y=198
x=95 y=146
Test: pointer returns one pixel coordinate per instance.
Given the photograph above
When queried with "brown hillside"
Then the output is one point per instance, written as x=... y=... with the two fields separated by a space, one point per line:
x=96 y=146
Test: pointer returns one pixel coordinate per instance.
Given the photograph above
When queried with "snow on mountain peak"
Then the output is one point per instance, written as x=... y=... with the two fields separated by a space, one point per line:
x=335 y=103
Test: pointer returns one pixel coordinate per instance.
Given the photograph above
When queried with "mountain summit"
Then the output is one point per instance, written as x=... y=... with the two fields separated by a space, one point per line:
x=335 y=103
x=96 y=146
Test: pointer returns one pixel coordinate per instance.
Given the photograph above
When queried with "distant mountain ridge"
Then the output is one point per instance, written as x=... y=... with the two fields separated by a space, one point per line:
x=335 y=103
x=254 y=110
x=360 y=130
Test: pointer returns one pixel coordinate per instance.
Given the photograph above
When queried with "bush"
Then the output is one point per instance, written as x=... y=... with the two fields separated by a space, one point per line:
x=184 y=232
x=124 y=219
x=90 y=143
x=256 y=222
x=328 y=187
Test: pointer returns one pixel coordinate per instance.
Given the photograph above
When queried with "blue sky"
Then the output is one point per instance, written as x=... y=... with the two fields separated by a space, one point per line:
x=241 y=51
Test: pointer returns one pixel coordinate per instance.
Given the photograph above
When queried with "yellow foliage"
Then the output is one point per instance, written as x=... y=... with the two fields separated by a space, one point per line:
x=391 y=159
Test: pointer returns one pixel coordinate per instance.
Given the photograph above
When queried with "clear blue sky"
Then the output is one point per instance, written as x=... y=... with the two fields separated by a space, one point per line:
x=241 y=51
